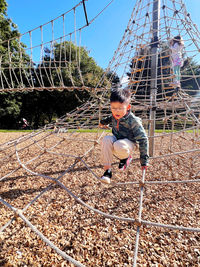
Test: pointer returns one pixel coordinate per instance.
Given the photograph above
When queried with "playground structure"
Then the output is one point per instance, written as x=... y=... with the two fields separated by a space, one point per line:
x=63 y=151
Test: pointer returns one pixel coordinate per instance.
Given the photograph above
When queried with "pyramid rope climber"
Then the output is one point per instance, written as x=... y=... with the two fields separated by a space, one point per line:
x=177 y=115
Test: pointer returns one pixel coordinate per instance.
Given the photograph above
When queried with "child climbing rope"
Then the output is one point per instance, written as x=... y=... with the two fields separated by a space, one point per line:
x=127 y=130
x=176 y=47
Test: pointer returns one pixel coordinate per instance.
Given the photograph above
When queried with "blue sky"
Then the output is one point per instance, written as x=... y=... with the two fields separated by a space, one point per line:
x=103 y=35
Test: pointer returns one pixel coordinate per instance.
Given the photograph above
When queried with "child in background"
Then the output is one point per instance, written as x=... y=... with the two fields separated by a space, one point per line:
x=127 y=130
x=176 y=47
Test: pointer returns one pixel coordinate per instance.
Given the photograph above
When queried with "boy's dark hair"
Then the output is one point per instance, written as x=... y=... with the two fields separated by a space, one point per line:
x=120 y=95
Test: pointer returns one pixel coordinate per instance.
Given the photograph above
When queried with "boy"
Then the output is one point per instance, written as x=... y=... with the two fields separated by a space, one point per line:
x=127 y=130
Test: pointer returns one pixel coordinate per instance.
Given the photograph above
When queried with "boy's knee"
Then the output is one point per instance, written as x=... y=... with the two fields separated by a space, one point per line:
x=120 y=146
x=107 y=140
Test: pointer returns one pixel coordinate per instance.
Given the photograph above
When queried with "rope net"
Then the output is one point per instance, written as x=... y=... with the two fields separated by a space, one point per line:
x=49 y=57
x=47 y=163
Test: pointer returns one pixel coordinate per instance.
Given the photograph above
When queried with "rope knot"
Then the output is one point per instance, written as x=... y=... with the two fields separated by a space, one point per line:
x=138 y=222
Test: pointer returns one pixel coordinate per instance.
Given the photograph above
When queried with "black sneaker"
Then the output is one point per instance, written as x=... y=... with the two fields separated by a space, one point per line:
x=106 y=177
x=124 y=163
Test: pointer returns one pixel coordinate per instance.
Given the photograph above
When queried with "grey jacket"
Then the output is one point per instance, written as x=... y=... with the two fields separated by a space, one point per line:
x=130 y=127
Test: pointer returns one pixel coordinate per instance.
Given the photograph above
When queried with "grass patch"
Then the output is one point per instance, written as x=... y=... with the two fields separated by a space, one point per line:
x=95 y=130
x=15 y=131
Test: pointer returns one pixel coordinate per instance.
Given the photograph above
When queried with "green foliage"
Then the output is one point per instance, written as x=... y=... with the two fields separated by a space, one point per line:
x=3 y=7
x=10 y=103
x=46 y=105
x=191 y=68
x=41 y=107
x=10 y=109
x=61 y=64
x=59 y=68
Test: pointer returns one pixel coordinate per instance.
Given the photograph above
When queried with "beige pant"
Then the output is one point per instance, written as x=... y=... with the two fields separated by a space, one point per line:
x=111 y=146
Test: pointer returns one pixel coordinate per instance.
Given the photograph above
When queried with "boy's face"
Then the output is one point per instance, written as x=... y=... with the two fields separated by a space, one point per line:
x=118 y=109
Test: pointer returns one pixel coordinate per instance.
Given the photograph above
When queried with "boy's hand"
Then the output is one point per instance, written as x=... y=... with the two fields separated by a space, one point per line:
x=102 y=126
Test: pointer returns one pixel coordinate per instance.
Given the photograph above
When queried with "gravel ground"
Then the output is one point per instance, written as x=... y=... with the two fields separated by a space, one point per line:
x=83 y=234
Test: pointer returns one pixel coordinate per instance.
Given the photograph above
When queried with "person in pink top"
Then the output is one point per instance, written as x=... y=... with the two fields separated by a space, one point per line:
x=176 y=47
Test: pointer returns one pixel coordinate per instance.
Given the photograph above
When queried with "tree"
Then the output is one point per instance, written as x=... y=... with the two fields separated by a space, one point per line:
x=191 y=68
x=10 y=103
x=60 y=68
x=46 y=105
x=10 y=109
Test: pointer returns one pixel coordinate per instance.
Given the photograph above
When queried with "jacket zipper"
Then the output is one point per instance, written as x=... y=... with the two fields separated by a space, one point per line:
x=118 y=121
x=118 y=125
